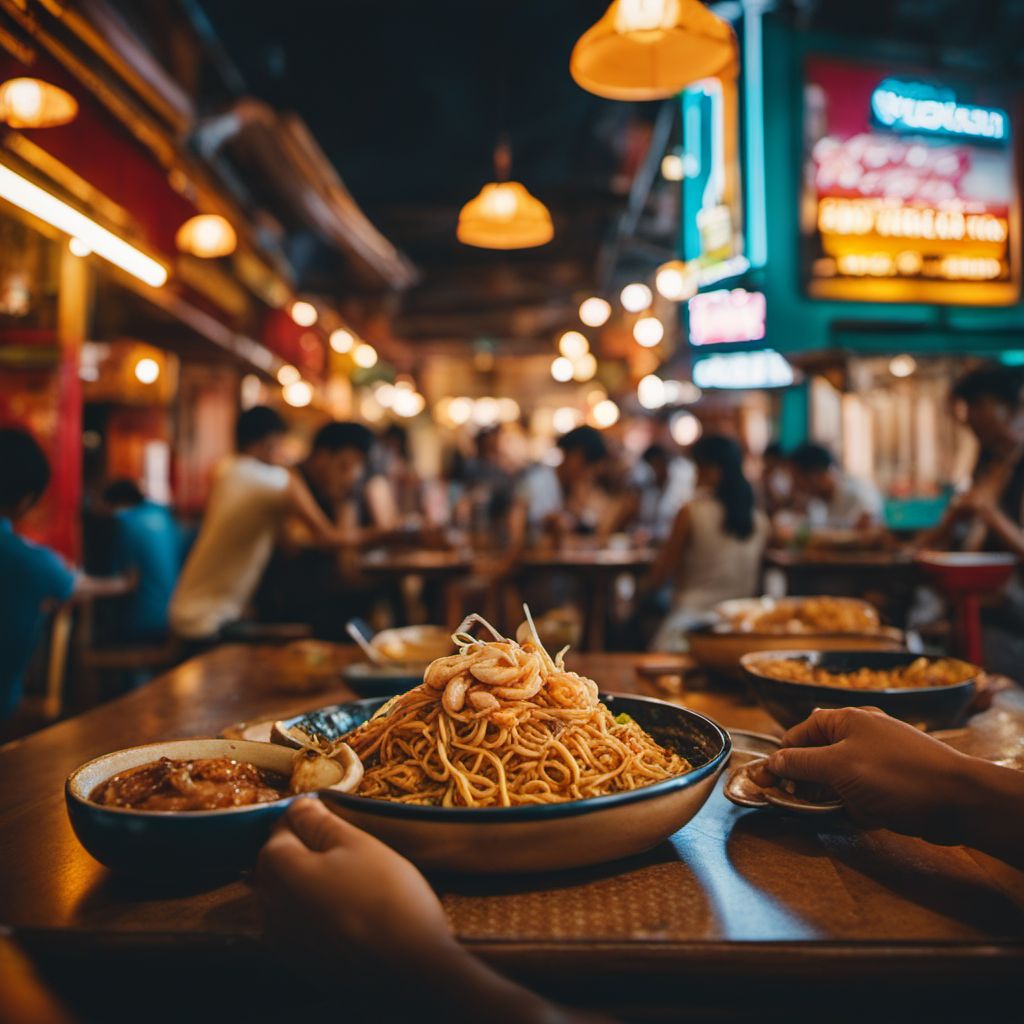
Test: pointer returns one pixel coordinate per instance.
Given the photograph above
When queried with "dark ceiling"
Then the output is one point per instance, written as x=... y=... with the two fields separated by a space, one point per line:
x=408 y=100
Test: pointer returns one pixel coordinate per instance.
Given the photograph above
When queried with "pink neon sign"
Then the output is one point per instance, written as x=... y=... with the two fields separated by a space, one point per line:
x=724 y=316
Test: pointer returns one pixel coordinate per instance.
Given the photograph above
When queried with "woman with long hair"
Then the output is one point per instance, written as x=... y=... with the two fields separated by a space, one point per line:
x=717 y=541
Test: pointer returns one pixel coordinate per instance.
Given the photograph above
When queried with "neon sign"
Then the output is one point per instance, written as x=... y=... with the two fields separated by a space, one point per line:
x=724 y=316
x=916 y=107
x=739 y=370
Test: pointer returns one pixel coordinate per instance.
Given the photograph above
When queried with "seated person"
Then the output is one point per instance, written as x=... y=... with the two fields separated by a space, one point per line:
x=714 y=551
x=775 y=493
x=486 y=483
x=835 y=500
x=333 y=894
x=31 y=576
x=666 y=482
x=148 y=547
x=251 y=497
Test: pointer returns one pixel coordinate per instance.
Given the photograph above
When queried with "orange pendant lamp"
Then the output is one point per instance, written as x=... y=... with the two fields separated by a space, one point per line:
x=504 y=215
x=652 y=49
x=33 y=103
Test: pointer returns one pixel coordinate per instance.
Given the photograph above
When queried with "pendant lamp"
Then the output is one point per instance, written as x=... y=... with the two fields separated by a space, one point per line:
x=652 y=49
x=504 y=215
x=33 y=103
x=207 y=235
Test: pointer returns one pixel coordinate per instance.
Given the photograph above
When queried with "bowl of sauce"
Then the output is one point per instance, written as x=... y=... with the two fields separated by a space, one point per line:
x=182 y=807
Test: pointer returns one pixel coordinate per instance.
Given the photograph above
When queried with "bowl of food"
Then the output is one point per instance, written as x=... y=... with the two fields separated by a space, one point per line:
x=184 y=807
x=748 y=625
x=503 y=760
x=412 y=645
x=931 y=693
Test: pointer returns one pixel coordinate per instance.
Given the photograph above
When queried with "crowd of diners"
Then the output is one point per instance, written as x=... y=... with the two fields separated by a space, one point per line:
x=290 y=536
x=282 y=544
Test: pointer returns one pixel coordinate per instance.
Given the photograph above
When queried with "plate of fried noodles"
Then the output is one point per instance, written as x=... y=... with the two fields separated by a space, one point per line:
x=504 y=760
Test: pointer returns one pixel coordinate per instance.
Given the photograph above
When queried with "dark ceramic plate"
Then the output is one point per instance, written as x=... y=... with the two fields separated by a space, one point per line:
x=548 y=836
x=932 y=707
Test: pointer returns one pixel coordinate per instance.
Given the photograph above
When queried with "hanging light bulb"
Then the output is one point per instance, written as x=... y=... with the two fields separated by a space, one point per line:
x=685 y=429
x=78 y=248
x=460 y=410
x=342 y=341
x=364 y=356
x=650 y=392
x=147 y=370
x=606 y=413
x=288 y=374
x=675 y=281
x=648 y=331
x=635 y=297
x=672 y=167
x=298 y=394
x=303 y=313
x=572 y=345
x=207 y=235
x=902 y=366
x=584 y=368
x=504 y=216
x=594 y=312
x=407 y=403
x=33 y=103
x=652 y=49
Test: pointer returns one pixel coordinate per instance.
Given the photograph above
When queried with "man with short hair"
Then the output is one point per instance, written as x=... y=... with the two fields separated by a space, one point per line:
x=31 y=576
x=251 y=496
x=665 y=481
x=836 y=500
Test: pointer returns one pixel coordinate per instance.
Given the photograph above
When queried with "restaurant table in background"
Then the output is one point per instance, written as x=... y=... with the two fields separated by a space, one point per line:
x=446 y=569
x=888 y=575
x=738 y=910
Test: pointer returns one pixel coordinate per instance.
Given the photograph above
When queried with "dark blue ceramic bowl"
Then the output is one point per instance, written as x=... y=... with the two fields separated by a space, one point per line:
x=169 y=844
x=789 y=702
x=543 y=837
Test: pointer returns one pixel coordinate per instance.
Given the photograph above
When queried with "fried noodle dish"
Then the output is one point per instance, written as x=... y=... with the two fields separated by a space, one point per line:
x=922 y=672
x=502 y=724
x=810 y=615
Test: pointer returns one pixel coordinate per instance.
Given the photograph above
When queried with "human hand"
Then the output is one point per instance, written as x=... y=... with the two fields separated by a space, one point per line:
x=329 y=889
x=887 y=773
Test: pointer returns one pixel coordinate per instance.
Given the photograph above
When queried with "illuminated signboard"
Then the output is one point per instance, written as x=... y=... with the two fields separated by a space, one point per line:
x=712 y=229
x=739 y=370
x=909 y=191
x=724 y=316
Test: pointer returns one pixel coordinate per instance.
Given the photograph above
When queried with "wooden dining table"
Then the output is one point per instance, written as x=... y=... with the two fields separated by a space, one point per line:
x=741 y=912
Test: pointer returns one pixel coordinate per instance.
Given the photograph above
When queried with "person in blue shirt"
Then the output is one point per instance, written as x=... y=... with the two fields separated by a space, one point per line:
x=147 y=546
x=32 y=577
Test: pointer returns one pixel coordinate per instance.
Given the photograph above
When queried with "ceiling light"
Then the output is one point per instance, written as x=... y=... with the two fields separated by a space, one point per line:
x=508 y=410
x=207 y=235
x=675 y=281
x=147 y=371
x=672 y=167
x=288 y=374
x=565 y=419
x=902 y=366
x=298 y=394
x=407 y=403
x=584 y=368
x=561 y=369
x=650 y=392
x=572 y=345
x=342 y=341
x=33 y=103
x=364 y=355
x=648 y=331
x=23 y=194
x=594 y=312
x=685 y=429
x=652 y=49
x=460 y=410
x=682 y=392
x=303 y=313
x=486 y=411
x=385 y=394
x=635 y=297
x=504 y=216
x=606 y=413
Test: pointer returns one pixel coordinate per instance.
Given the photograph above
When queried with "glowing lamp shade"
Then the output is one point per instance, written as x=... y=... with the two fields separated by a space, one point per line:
x=298 y=394
x=648 y=331
x=650 y=392
x=594 y=312
x=562 y=369
x=572 y=345
x=675 y=281
x=504 y=216
x=303 y=313
x=207 y=235
x=685 y=429
x=25 y=195
x=606 y=414
x=635 y=297
x=342 y=341
x=33 y=103
x=652 y=49
x=364 y=356
x=902 y=366
x=147 y=371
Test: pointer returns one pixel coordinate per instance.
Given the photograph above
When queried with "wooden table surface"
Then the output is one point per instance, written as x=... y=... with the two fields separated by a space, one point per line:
x=736 y=895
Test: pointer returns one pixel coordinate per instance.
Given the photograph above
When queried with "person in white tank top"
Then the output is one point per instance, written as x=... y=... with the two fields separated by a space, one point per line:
x=717 y=542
